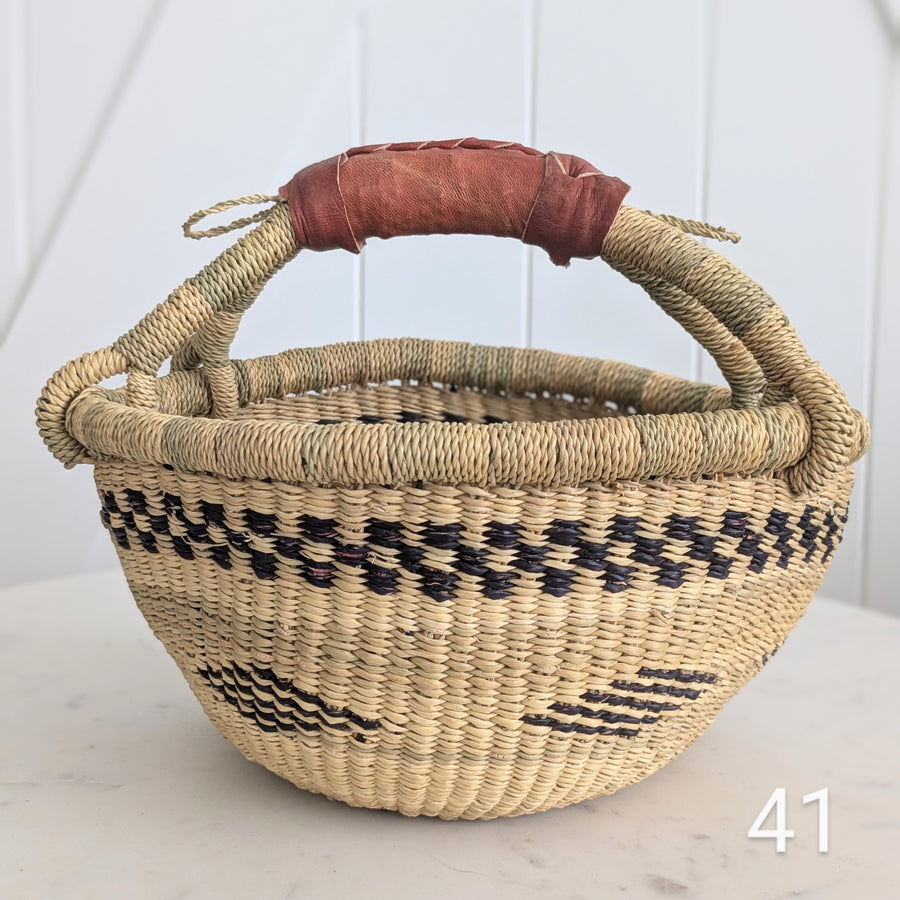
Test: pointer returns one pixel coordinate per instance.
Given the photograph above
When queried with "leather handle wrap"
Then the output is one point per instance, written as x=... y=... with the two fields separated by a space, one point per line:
x=469 y=186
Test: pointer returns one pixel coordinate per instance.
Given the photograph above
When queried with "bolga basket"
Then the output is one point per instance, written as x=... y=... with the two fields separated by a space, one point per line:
x=458 y=580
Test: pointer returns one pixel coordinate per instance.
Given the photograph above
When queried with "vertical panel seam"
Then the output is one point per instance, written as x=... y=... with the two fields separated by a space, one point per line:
x=20 y=134
x=874 y=308
x=42 y=247
x=890 y=28
x=530 y=72
x=708 y=23
x=361 y=52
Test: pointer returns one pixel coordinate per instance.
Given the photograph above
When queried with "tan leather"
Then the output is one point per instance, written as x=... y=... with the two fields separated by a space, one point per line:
x=470 y=186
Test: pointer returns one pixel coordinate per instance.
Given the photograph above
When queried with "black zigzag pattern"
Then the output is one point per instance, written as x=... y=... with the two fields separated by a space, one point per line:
x=276 y=704
x=496 y=560
x=606 y=706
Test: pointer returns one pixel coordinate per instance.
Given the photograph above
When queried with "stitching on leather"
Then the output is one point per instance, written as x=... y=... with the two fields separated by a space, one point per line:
x=558 y=161
x=565 y=170
x=536 y=196
x=342 y=159
x=460 y=144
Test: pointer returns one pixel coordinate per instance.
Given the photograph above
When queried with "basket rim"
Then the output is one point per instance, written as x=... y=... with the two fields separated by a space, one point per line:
x=637 y=446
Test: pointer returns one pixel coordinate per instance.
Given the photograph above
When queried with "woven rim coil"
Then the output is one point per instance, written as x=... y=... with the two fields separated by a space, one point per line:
x=450 y=579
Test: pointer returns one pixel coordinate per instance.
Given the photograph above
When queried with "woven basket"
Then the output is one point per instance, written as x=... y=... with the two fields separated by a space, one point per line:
x=457 y=580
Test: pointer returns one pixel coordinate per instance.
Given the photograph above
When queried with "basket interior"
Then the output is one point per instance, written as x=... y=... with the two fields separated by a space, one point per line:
x=427 y=403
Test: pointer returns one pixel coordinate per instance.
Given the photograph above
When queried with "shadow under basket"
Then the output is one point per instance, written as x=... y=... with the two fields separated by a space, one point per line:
x=456 y=580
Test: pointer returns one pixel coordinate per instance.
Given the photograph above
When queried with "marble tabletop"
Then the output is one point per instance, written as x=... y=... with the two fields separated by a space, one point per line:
x=113 y=784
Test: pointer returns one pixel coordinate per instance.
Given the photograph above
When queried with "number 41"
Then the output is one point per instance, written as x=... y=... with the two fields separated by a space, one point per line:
x=781 y=832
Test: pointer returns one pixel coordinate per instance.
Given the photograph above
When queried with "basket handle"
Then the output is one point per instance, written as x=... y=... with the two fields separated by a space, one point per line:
x=555 y=201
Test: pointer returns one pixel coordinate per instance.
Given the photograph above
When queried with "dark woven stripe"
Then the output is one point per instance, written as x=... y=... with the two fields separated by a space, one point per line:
x=809 y=537
x=503 y=536
x=834 y=523
x=578 y=728
x=778 y=525
x=680 y=675
x=573 y=709
x=252 y=692
x=410 y=416
x=389 y=551
x=639 y=703
x=666 y=689
x=604 y=699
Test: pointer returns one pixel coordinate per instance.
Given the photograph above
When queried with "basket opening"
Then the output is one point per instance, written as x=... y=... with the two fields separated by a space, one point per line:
x=412 y=380
x=407 y=402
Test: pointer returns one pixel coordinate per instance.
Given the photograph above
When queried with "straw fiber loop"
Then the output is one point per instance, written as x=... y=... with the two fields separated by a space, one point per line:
x=450 y=579
x=236 y=224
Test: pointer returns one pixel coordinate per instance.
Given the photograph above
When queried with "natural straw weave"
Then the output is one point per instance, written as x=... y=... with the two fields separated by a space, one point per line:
x=456 y=580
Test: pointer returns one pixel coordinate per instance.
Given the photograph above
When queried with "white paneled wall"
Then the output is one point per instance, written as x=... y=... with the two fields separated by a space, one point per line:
x=630 y=117
x=780 y=120
x=12 y=154
x=883 y=483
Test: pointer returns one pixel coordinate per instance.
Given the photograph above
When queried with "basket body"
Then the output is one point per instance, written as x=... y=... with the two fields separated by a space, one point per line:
x=466 y=652
x=449 y=579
